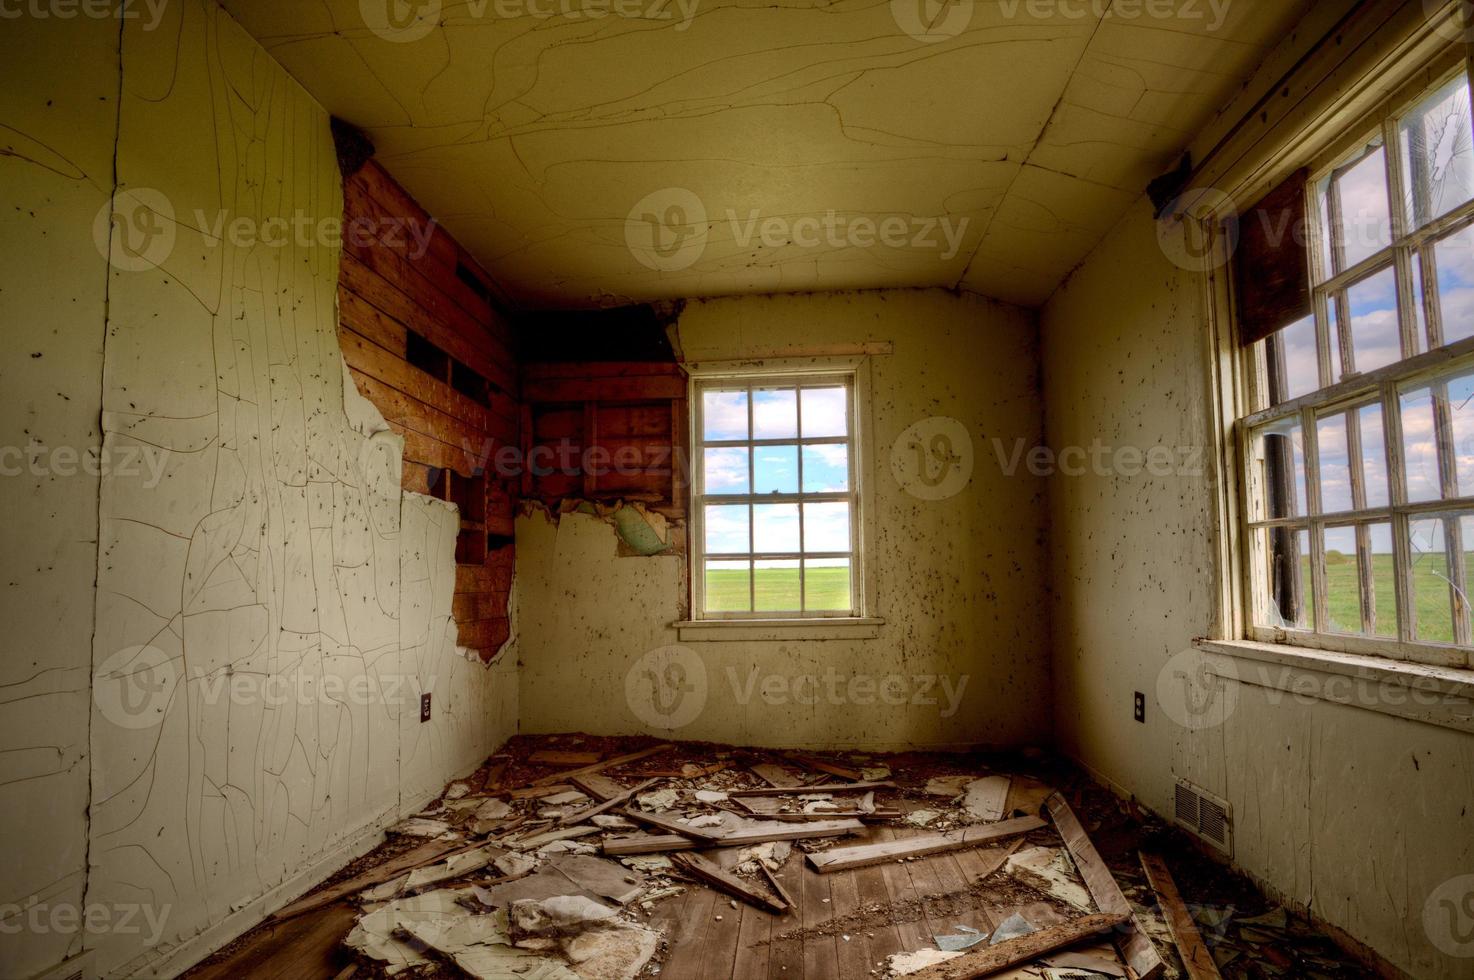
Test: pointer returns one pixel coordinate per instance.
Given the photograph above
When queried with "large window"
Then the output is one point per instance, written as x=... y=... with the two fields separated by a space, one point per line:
x=776 y=511
x=1360 y=458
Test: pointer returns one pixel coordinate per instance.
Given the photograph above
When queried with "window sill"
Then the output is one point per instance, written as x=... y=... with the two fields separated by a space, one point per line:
x=1442 y=696
x=780 y=629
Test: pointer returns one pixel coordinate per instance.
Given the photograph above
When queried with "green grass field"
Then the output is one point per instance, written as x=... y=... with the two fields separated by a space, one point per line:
x=777 y=589
x=1430 y=595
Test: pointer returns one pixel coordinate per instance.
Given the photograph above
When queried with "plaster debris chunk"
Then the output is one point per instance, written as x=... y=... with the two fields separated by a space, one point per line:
x=661 y=799
x=1051 y=869
x=922 y=818
x=900 y=964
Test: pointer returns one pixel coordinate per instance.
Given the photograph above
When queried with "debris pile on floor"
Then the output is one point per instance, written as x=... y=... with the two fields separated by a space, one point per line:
x=552 y=864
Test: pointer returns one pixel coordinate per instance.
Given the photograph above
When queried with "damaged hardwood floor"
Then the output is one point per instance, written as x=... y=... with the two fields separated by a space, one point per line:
x=745 y=864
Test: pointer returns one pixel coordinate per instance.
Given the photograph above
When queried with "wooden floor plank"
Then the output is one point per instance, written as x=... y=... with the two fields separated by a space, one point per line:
x=687 y=935
x=786 y=957
x=820 y=954
x=913 y=934
x=951 y=880
x=306 y=947
x=883 y=938
x=751 y=961
x=719 y=950
x=852 y=957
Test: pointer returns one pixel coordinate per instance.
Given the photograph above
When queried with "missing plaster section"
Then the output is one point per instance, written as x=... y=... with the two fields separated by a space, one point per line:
x=643 y=533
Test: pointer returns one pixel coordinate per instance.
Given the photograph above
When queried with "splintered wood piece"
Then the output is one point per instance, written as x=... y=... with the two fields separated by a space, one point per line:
x=1190 y=945
x=400 y=864
x=533 y=792
x=830 y=788
x=558 y=757
x=824 y=765
x=579 y=816
x=1136 y=947
x=775 y=775
x=864 y=855
x=776 y=884
x=671 y=825
x=705 y=871
x=760 y=834
x=833 y=815
x=599 y=787
x=618 y=760
x=986 y=797
x=1020 y=950
x=647 y=844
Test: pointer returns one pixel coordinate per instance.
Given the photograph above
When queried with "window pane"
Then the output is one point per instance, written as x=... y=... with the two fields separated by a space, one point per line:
x=1431 y=591
x=1281 y=448
x=1335 y=466
x=1375 y=335
x=775 y=469
x=1343 y=581
x=1288 y=577
x=1420 y=333
x=726 y=470
x=727 y=586
x=724 y=415
x=824 y=413
x=826 y=468
x=1438 y=153
x=827 y=584
x=1453 y=257
x=1384 y=580
x=1359 y=206
x=1294 y=369
x=827 y=527
x=1460 y=395
x=1373 y=456
x=775 y=587
x=775 y=414
x=1419 y=445
x=727 y=530
x=775 y=528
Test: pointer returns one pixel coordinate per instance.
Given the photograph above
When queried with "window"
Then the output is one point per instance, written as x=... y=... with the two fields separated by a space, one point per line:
x=1359 y=469
x=776 y=510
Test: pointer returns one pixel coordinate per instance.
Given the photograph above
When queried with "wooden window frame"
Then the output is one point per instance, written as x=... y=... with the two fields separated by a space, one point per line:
x=1424 y=361
x=844 y=375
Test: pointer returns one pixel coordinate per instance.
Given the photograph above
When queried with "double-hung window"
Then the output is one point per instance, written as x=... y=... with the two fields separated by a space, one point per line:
x=1359 y=468
x=776 y=512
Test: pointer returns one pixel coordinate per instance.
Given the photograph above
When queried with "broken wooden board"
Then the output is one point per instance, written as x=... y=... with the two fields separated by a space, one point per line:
x=1020 y=950
x=824 y=765
x=775 y=775
x=834 y=815
x=647 y=844
x=864 y=855
x=986 y=797
x=703 y=870
x=618 y=760
x=757 y=834
x=558 y=757
x=1190 y=946
x=1135 y=945
x=552 y=836
x=597 y=786
x=418 y=857
x=775 y=884
x=534 y=792
x=828 y=788
x=578 y=816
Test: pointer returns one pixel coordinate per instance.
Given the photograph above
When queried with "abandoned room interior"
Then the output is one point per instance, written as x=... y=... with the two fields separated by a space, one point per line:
x=803 y=490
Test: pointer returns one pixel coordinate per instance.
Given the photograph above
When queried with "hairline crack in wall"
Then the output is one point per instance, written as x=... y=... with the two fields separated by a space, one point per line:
x=286 y=602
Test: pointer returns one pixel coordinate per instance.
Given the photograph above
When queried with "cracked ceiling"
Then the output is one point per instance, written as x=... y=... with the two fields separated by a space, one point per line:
x=680 y=148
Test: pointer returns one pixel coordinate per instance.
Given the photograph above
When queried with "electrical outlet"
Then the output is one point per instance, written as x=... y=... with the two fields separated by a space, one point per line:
x=424 y=707
x=1138 y=710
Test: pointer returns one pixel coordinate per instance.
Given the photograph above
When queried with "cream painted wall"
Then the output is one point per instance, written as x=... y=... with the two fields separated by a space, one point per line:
x=1357 y=815
x=56 y=146
x=268 y=606
x=960 y=582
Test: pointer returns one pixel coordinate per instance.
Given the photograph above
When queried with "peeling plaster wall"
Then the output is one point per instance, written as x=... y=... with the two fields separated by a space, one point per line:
x=268 y=605
x=960 y=582
x=1353 y=813
x=56 y=146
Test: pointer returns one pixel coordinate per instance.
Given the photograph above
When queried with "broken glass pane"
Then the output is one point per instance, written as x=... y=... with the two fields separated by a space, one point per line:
x=1437 y=145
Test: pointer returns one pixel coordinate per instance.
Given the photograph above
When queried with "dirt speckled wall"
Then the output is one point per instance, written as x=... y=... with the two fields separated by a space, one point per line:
x=959 y=581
